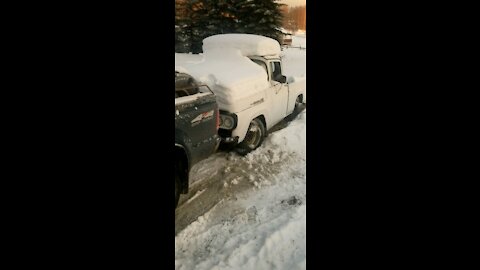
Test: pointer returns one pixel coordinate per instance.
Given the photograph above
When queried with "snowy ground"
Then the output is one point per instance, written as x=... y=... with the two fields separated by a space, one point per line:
x=248 y=212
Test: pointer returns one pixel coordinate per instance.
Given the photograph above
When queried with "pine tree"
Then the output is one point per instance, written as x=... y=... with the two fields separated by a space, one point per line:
x=260 y=17
x=193 y=24
x=198 y=19
x=220 y=17
x=182 y=27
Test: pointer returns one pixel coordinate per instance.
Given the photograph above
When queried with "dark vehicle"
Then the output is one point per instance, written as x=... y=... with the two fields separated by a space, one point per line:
x=196 y=127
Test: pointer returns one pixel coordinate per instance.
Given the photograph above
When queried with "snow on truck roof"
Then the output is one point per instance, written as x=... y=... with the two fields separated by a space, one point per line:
x=247 y=44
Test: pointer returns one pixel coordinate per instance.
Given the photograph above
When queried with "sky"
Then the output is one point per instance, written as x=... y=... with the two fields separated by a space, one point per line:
x=293 y=3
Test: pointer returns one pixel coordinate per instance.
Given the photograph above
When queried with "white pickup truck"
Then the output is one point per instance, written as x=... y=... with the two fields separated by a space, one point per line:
x=245 y=73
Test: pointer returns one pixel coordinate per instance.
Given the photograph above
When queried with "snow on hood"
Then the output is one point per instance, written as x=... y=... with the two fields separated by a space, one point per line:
x=229 y=74
x=234 y=71
x=226 y=69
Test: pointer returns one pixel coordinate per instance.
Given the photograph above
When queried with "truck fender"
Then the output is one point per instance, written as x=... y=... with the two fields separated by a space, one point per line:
x=245 y=118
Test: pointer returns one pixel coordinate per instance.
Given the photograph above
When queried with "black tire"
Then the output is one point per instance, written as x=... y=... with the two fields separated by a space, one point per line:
x=255 y=135
x=296 y=110
x=298 y=104
x=177 y=188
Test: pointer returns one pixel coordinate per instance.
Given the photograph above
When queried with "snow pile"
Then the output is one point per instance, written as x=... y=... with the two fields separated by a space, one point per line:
x=224 y=67
x=247 y=44
x=232 y=70
x=291 y=139
x=241 y=77
x=185 y=59
x=231 y=76
x=261 y=227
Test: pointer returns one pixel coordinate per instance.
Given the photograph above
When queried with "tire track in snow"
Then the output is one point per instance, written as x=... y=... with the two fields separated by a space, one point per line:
x=226 y=176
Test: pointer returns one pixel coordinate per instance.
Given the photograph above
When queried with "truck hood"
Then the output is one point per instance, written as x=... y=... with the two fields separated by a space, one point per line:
x=235 y=79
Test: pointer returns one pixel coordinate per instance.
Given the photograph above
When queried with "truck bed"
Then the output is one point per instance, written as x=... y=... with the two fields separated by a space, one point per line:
x=196 y=125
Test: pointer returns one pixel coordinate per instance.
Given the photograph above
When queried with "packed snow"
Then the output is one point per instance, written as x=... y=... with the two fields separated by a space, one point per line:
x=248 y=212
x=229 y=74
x=225 y=67
x=233 y=76
x=260 y=223
x=247 y=44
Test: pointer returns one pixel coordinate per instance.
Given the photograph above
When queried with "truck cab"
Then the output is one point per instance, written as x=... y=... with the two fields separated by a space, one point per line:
x=249 y=127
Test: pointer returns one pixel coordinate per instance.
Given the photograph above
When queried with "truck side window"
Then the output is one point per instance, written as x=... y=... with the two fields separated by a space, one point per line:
x=262 y=64
x=276 y=69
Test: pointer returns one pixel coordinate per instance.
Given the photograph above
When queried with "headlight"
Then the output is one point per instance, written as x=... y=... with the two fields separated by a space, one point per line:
x=227 y=121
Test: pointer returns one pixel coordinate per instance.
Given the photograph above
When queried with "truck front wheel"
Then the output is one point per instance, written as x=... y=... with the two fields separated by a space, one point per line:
x=254 y=138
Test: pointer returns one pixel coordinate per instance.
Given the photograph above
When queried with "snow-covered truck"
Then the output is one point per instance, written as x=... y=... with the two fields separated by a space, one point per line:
x=245 y=73
x=196 y=128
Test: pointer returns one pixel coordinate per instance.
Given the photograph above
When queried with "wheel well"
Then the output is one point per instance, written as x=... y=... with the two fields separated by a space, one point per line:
x=181 y=166
x=262 y=118
x=301 y=97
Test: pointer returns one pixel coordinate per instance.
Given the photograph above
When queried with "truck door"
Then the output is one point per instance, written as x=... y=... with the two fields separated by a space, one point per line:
x=279 y=92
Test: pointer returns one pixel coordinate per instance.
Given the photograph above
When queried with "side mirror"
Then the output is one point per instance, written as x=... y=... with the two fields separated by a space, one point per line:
x=281 y=79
